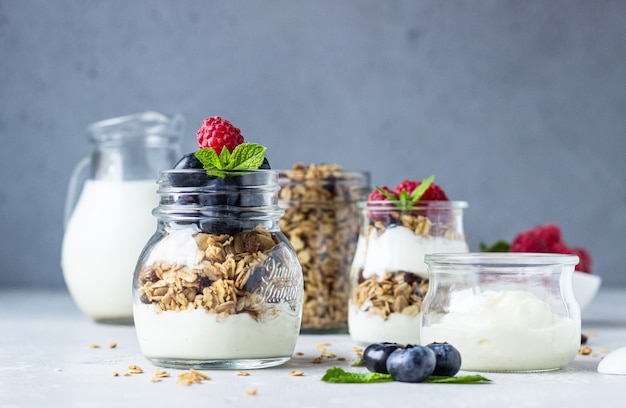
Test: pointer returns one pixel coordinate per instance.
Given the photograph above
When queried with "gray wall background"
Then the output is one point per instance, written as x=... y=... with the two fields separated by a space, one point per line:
x=518 y=107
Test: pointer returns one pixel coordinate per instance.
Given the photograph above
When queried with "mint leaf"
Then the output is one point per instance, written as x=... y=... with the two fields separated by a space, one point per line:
x=209 y=158
x=499 y=246
x=421 y=189
x=338 y=375
x=247 y=156
x=463 y=379
x=359 y=362
x=405 y=201
x=225 y=159
x=386 y=193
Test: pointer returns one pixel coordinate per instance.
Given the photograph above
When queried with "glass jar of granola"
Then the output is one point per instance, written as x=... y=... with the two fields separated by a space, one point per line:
x=218 y=285
x=389 y=278
x=322 y=222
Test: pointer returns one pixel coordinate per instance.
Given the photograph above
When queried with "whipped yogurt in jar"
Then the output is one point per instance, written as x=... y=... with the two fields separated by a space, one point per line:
x=503 y=311
x=389 y=278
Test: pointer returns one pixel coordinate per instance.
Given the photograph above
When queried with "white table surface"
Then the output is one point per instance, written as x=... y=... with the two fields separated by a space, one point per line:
x=46 y=361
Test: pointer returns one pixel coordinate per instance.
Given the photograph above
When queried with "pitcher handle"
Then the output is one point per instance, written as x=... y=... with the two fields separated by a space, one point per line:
x=77 y=181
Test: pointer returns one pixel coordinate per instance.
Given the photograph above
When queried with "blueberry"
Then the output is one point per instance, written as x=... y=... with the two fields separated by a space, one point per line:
x=411 y=364
x=265 y=165
x=185 y=178
x=188 y=161
x=375 y=356
x=448 y=359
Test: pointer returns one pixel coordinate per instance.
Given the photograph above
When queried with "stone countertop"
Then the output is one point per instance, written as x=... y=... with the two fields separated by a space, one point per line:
x=47 y=359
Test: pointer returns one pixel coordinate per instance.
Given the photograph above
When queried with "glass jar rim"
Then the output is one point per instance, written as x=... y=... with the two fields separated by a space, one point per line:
x=267 y=181
x=151 y=126
x=500 y=259
x=357 y=177
x=387 y=205
x=229 y=172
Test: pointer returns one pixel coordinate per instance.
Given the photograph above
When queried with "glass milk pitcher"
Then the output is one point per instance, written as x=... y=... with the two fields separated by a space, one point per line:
x=108 y=215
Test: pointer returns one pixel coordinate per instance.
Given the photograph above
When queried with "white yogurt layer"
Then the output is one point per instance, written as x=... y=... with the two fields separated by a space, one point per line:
x=400 y=249
x=178 y=247
x=367 y=328
x=507 y=330
x=197 y=335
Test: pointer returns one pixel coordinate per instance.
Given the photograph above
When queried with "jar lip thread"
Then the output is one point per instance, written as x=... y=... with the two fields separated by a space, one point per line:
x=359 y=178
x=500 y=259
x=387 y=205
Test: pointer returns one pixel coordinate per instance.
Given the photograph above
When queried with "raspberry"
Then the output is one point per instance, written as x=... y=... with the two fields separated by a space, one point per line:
x=550 y=233
x=407 y=185
x=547 y=239
x=561 y=248
x=218 y=133
x=432 y=193
x=529 y=241
x=376 y=195
x=382 y=214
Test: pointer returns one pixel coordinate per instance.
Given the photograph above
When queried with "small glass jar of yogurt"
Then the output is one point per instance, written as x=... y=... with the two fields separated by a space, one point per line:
x=388 y=277
x=218 y=285
x=504 y=312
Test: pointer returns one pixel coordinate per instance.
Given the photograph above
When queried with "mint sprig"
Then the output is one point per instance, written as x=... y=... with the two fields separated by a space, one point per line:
x=246 y=156
x=405 y=201
x=339 y=375
x=461 y=379
x=498 y=246
x=358 y=362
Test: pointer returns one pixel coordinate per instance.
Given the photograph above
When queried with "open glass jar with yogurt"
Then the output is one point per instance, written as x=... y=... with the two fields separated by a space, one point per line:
x=218 y=285
x=388 y=277
x=503 y=311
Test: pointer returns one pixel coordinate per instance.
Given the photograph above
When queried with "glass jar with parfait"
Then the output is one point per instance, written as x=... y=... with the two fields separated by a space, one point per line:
x=388 y=277
x=218 y=285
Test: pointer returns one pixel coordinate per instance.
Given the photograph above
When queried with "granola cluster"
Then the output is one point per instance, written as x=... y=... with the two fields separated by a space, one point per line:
x=397 y=292
x=223 y=281
x=322 y=224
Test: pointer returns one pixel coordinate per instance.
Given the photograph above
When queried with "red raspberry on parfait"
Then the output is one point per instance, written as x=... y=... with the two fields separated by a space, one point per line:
x=376 y=195
x=376 y=199
x=218 y=133
x=432 y=193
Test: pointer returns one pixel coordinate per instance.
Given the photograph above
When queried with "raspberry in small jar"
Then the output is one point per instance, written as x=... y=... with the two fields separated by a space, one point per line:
x=388 y=278
x=218 y=285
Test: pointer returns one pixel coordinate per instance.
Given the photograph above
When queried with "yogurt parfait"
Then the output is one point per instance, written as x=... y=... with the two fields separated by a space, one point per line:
x=218 y=285
x=389 y=278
